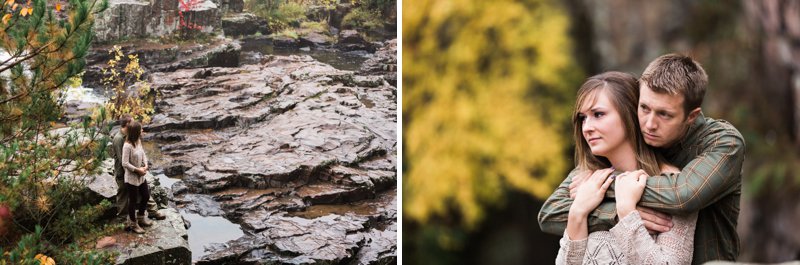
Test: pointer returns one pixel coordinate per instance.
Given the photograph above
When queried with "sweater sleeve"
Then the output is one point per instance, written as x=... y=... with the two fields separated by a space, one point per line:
x=571 y=251
x=673 y=247
x=127 y=149
x=553 y=214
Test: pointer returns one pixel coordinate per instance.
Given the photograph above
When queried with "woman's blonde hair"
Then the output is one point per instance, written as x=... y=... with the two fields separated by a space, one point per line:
x=623 y=92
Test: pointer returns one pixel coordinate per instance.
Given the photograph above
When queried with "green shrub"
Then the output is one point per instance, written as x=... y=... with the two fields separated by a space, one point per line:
x=279 y=14
x=383 y=6
x=290 y=33
x=314 y=26
x=33 y=245
x=362 y=18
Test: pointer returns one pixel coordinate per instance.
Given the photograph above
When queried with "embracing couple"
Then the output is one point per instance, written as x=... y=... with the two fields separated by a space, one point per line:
x=130 y=168
x=655 y=182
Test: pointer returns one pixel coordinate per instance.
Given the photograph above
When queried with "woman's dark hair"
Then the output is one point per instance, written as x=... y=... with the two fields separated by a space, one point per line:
x=134 y=132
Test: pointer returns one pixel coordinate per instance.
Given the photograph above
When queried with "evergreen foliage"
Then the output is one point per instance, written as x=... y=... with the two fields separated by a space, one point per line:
x=41 y=166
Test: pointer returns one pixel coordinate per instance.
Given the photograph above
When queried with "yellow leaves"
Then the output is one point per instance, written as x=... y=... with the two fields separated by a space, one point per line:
x=16 y=112
x=45 y=260
x=486 y=98
x=139 y=105
x=76 y=81
x=26 y=11
x=58 y=7
x=117 y=52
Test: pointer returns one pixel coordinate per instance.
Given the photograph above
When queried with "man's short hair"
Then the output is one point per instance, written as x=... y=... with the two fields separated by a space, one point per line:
x=677 y=74
x=124 y=120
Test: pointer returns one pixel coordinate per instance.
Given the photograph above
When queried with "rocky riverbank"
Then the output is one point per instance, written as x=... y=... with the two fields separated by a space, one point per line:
x=300 y=154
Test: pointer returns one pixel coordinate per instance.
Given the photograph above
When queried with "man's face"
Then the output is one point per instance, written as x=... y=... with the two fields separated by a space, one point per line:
x=662 y=118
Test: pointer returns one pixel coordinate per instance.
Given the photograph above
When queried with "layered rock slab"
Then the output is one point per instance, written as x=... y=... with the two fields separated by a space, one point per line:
x=163 y=243
x=279 y=138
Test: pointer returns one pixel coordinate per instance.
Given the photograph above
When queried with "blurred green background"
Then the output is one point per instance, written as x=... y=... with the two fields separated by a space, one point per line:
x=488 y=87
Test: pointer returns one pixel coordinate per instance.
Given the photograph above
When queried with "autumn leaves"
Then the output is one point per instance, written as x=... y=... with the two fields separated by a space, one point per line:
x=11 y=6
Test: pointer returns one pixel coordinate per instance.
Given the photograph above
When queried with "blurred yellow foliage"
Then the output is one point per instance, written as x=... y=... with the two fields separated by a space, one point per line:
x=488 y=88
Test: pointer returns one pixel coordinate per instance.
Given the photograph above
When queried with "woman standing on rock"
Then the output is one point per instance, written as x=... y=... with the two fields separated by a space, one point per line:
x=134 y=160
x=607 y=135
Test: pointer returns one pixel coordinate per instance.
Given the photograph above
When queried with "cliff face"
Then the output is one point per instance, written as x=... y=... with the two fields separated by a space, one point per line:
x=128 y=19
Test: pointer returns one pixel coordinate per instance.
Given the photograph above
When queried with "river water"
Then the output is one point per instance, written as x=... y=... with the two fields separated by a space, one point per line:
x=254 y=49
x=204 y=230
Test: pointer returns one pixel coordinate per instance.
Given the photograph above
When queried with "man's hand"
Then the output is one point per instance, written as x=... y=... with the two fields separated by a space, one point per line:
x=576 y=183
x=655 y=222
x=578 y=180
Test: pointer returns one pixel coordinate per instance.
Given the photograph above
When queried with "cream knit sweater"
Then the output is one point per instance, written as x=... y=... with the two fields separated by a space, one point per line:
x=629 y=243
x=133 y=158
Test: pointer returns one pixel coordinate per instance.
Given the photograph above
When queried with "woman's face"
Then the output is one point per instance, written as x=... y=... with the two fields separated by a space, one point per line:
x=601 y=124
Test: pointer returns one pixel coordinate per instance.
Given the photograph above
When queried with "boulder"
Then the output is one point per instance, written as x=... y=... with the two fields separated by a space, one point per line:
x=383 y=63
x=129 y=19
x=104 y=184
x=163 y=243
x=351 y=40
x=315 y=39
x=204 y=14
x=230 y=6
x=281 y=41
x=338 y=14
x=243 y=24
x=350 y=36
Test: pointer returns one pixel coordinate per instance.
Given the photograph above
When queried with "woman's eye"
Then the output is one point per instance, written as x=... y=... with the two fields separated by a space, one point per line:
x=599 y=114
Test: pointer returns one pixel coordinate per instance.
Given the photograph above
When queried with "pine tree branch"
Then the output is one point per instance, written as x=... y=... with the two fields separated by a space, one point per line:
x=14 y=97
x=28 y=57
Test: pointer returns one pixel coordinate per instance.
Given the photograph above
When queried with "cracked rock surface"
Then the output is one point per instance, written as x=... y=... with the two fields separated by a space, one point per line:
x=299 y=154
